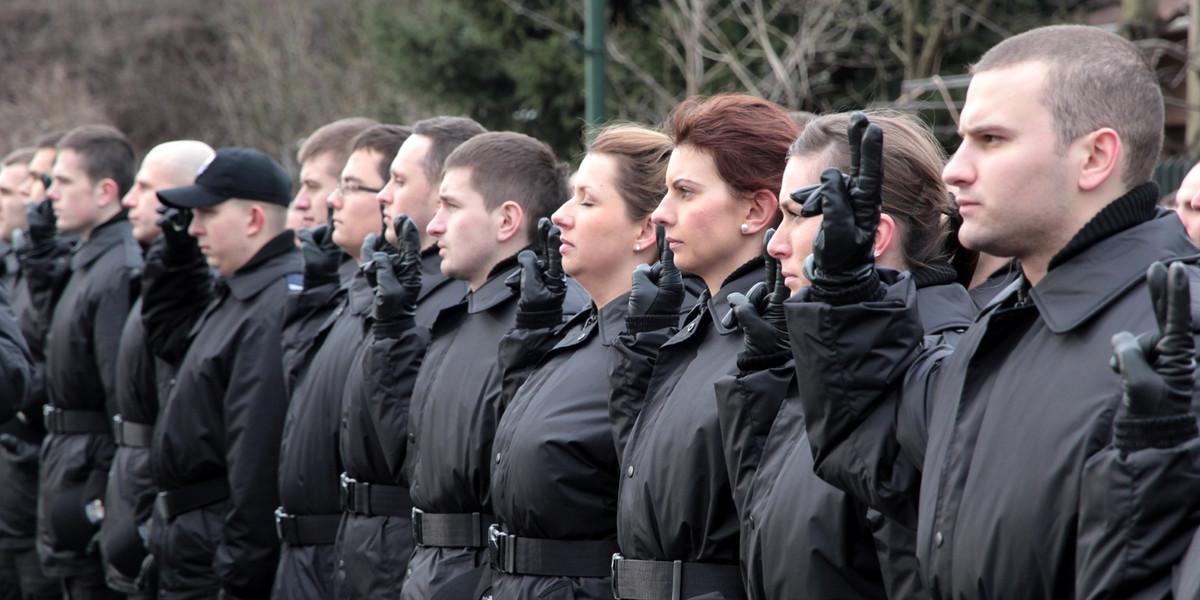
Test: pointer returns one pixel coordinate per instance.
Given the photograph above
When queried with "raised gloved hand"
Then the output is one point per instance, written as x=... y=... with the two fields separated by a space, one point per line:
x=842 y=265
x=395 y=275
x=1158 y=368
x=540 y=282
x=20 y=452
x=658 y=289
x=759 y=313
x=321 y=256
x=179 y=246
x=41 y=227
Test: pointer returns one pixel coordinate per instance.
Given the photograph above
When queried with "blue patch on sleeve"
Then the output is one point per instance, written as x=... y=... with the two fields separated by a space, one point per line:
x=295 y=282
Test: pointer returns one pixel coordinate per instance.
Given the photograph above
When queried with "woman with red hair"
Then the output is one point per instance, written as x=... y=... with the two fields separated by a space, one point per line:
x=677 y=527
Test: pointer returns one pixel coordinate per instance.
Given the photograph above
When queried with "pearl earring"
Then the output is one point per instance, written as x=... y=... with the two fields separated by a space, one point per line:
x=745 y=228
x=637 y=247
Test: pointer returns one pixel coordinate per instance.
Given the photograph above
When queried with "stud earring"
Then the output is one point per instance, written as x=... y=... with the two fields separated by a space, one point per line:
x=745 y=228
x=876 y=255
x=637 y=247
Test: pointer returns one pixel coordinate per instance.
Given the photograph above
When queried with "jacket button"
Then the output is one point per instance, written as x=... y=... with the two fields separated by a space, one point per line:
x=752 y=523
x=938 y=539
x=691 y=326
x=497 y=458
x=171 y=382
x=630 y=471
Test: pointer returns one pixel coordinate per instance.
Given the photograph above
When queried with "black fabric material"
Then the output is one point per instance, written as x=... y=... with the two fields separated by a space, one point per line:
x=455 y=406
x=223 y=419
x=307 y=530
x=927 y=436
x=373 y=551
x=82 y=346
x=675 y=500
x=457 y=530
x=1134 y=208
x=373 y=499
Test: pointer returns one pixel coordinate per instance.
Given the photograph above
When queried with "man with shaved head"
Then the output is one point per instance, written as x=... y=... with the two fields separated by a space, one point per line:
x=130 y=495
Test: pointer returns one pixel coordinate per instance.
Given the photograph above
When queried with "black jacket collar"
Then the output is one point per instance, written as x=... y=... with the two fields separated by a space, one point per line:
x=275 y=260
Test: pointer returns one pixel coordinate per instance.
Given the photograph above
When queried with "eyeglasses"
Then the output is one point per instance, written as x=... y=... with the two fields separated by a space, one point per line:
x=349 y=187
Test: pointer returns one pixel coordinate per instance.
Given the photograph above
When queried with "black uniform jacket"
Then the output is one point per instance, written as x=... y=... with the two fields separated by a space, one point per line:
x=555 y=475
x=81 y=374
x=129 y=501
x=223 y=419
x=676 y=501
x=801 y=537
x=985 y=448
x=455 y=407
x=372 y=551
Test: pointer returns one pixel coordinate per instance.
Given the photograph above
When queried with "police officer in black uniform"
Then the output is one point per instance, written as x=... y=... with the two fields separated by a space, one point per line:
x=216 y=447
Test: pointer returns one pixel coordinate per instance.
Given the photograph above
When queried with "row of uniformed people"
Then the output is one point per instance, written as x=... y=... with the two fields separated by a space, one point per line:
x=469 y=393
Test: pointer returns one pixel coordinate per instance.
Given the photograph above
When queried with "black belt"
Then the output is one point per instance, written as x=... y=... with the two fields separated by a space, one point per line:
x=549 y=558
x=132 y=435
x=371 y=499
x=306 y=530
x=58 y=420
x=192 y=496
x=673 y=580
x=455 y=530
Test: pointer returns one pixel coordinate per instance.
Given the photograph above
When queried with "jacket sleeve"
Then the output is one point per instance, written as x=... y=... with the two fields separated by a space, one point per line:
x=46 y=272
x=304 y=314
x=851 y=365
x=630 y=365
x=1138 y=513
x=15 y=361
x=173 y=300
x=520 y=350
x=112 y=309
x=255 y=403
x=746 y=408
x=390 y=367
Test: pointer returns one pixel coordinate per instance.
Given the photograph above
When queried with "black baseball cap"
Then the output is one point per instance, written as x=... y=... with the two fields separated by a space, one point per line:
x=243 y=173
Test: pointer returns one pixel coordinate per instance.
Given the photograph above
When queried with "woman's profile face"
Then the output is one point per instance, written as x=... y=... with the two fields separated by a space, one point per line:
x=793 y=239
x=701 y=215
x=598 y=236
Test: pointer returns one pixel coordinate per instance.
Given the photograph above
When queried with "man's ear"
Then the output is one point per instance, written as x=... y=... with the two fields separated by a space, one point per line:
x=1103 y=155
x=761 y=212
x=256 y=219
x=511 y=224
x=110 y=193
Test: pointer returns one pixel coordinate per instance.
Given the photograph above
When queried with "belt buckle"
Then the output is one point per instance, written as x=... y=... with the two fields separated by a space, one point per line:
x=500 y=547
x=52 y=418
x=118 y=429
x=279 y=515
x=418 y=535
x=616 y=558
x=348 y=503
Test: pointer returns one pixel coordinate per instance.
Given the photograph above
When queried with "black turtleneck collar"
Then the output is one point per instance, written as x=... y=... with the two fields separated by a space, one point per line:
x=1134 y=208
x=937 y=273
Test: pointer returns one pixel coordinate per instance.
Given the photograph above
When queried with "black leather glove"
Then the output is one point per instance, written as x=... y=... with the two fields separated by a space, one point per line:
x=20 y=452
x=540 y=282
x=1158 y=368
x=842 y=265
x=321 y=256
x=657 y=290
x=179 y=247
x=395 y=275
x=41 y=227
x=760 y=315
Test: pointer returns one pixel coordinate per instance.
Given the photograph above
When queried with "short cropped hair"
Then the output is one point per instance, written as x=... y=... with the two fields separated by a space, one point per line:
x=384 y=140
x=446 y=133
x=512 y=166
x=334 y=138
x=106 y=154
x=20 y=156
x=1095 y=79
x=748 y=138
x=641 y=156
x=50 y=140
